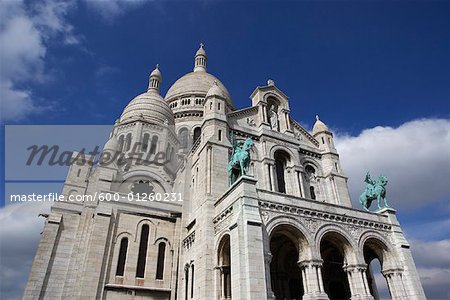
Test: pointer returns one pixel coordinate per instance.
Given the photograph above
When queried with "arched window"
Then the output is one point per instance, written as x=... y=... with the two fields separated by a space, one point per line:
x=154 y=144
x=183 y=137
x=121 y=143
x=281 y=159
x=145 y=141
x=122 y=257
x=161 y=259
x=197 y=133
x=224 y=261
x=128 y=142
x=142 y=255
x=311 y=179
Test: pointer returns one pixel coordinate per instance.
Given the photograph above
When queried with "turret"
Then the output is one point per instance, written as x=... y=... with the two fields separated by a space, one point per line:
x=324 y=136
x=200 y=60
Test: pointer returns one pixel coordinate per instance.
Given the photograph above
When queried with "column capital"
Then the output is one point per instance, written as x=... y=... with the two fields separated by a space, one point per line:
x=310 y=263
x=393 y=271
x=355 y=268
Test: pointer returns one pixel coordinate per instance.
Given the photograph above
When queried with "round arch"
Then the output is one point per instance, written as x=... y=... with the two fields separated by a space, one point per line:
x=292 y=158
x=308 y=161
x=340 y=235
x=123 y=234
x=289 y=221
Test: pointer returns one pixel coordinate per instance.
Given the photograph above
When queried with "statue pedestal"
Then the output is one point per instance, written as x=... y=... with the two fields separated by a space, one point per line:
x=386 y=210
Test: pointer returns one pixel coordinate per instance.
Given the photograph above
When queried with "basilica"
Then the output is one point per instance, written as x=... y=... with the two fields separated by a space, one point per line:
x=189 y=225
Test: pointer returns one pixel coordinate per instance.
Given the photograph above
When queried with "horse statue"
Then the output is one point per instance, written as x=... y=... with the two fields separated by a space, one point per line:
x=240 y=159
x=374 y=190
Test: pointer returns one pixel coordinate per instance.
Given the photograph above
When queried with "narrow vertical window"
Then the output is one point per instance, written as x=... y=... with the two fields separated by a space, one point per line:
x=128 y=142
x=142 y=255
x=218 y=106
x=154 y=144
x=220 y=135
x=192 y=281
x=121 y=143
x=160 y=263
x=323 y=141
x=312 y=192
x=197 y=133
x=122 y=257
x=186 y=281
x=78 y=172
x=145 y=142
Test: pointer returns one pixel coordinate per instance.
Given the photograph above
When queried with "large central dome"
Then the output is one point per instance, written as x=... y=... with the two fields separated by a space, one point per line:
x=196 y=83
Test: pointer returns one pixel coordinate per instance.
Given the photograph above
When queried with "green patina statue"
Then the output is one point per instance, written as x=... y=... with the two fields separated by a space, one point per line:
x=374 y=190
x=240 y=160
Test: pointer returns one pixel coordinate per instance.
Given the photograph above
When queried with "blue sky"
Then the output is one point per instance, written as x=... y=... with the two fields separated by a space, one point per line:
x=377 y=72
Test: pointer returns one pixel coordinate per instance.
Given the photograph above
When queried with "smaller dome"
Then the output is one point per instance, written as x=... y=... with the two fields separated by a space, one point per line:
x=149 y=106
x=215 y=90
x=112 y=144
x=319 y=126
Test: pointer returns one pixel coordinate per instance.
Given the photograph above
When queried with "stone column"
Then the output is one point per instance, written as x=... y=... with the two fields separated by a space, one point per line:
x=395 y=283
x=272 y=177
x=312 y=279
x=357 y=280
x=267 y=176
x=302 y=184
x=299 y=190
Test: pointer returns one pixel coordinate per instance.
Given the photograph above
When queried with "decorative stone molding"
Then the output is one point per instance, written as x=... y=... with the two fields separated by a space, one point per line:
x=311 y=224
x=325 y=216
x=355 y=231
x=310 y=153
x=303 y=131
x=222 y=220
x=243 y=112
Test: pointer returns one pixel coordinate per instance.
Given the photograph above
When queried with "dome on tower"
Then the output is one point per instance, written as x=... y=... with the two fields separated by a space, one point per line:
x=319 y=126
x=197 y=82
x=215 y=90
x=112 y=144
x=149 y=106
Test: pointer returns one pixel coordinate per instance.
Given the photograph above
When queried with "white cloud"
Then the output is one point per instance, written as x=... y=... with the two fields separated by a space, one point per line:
x=20 y=229
x=25 y=31
x=415 y=157
x=433 y=264
x=111 y=9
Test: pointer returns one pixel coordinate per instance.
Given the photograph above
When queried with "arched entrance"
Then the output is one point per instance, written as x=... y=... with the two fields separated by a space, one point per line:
x=286 y=276
x=332 y=250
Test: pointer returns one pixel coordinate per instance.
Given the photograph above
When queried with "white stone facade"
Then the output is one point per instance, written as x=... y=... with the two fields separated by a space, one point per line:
x=287 y=230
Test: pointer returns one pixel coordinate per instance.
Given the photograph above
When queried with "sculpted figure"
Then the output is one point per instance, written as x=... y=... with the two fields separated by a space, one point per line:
x=273 y=118
x=375 y=190
x=240 y=159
